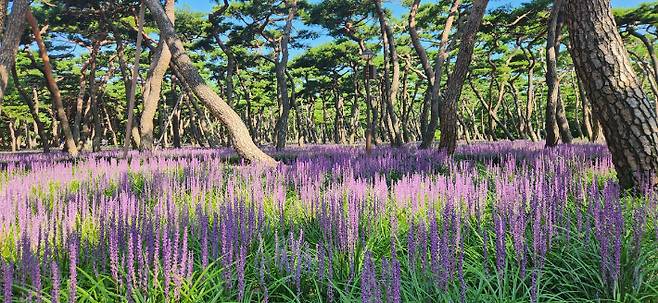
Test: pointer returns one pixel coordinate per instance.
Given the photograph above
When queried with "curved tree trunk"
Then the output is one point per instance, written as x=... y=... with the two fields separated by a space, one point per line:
x=392 y=84
x=434 y=92
x=153 y=85
x=629 y=122
x=456 y=83
x=237 y=129
x=71 y=147
x=11 y=40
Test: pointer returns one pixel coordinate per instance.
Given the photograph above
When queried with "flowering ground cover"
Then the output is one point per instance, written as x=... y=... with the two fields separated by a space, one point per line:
x=499 y=222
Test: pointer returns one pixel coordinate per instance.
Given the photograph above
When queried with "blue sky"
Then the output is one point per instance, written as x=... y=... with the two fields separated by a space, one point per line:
x=206 y=5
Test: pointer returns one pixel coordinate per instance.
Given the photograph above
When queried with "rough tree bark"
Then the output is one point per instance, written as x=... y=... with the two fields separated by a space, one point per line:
x=238 y=131
x=629 y=123
x=71 y=148
x=3 y=14
x=11 y=40
x=152 y=86
x=455 y=84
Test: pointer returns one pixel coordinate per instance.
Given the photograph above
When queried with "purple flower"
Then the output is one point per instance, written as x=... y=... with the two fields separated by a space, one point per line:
x=261 y=279
x=204 y=240
x=73 y=270
x=369 y=287
x=54 y=293
x=130 y=259
x=240 y=268
x=320 y=254
x=8 y=274
x=395 y=281
x=499 y=224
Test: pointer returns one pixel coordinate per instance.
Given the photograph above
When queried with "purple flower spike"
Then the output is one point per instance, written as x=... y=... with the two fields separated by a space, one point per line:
x=8 y=274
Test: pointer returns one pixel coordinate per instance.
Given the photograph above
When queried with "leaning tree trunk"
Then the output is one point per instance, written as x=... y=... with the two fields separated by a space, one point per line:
x=238 y=131
x=456 y=83
x=11 y=40
x=153 y=85
x=629 y=123
x=52 y=86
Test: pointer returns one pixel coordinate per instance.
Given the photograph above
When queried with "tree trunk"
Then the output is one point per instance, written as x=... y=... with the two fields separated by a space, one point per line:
x=33 y=104
x=71 y=147
x=371 y=111
x=152 y=86
x=133 y=83
x=3 y=14
x=434 y=92
x=530 y=97
x=629 y=123
x=563 y=123
x=82 y=85
x=281 y=64
x=355 y=111
x=12 y=135
x=552 y=80
x=578 y=107
x=112 y=126
x=11 y=40
x=415 y=40
x=175 y=126
x=392 y=84
x=587 y=110
x=93 y=99
x=237 y=129
x=455 y=84
x=339 y=117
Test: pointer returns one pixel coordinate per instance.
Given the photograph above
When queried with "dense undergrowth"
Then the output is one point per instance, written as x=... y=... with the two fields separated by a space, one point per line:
x=503 y=222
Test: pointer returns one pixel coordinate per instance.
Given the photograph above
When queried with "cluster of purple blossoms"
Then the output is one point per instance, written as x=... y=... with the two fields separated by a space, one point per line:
x=159 y=222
